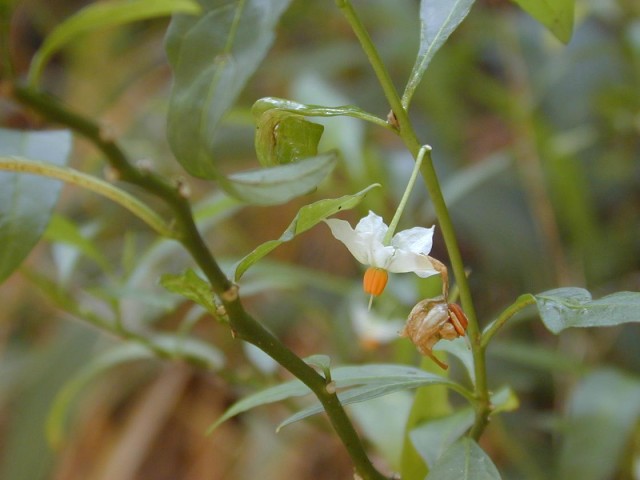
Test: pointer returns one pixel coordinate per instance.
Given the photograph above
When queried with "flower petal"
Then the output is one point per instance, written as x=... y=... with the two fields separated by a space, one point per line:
x=372 y=226
x=365 y=242
x=404 y=261
x=416 y=240
x=358 y=246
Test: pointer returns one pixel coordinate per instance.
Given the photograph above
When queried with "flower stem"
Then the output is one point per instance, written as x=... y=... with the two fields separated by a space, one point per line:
x=405 y=196
x=410 y=139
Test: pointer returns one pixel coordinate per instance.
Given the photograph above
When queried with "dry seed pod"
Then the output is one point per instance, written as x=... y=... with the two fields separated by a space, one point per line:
x=432 y=320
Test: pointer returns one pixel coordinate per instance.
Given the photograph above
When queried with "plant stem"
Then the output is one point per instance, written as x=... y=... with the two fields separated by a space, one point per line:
x=521 y=302
x=242 y=324
x=410 y=139
x=405 y=196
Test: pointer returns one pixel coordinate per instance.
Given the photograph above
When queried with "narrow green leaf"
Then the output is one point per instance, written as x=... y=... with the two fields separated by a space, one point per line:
x=212 y=57
x=89 y=182
x=383 y=421
x=190 y=285
x=294 y=388
x=376 y=379
x=573 y=307
x=268 y=103
x=276 y=185
x=601 y=415
x=27 y=201
x=102 y=15
x=368 y=392
x=459 y=347
x=173 y=345
x=320 y=362
x=429 y=403
x=306 y=218
x=556 y=15
x=438 y=19
x=63 y=230
x=464 y=460
x=433 y=437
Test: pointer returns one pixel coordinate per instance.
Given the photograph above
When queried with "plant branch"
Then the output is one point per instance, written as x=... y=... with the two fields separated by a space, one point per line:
x=410 y=139
x=243 y=325
x=521 y=302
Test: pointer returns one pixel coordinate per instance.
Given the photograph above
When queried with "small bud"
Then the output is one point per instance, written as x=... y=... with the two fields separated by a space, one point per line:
x=231 y=294
x=106 y=133
x=111 y=174
x=331 y=387
x=184 y=189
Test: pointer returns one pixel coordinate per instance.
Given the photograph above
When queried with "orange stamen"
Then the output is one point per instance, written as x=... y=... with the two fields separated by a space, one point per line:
x=457 y=318
x=375 y=279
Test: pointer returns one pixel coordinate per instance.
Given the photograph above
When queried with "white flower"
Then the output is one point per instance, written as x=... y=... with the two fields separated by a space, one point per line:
x=407 y=252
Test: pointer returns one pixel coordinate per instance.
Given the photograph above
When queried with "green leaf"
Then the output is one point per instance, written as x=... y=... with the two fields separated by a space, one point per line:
x=383 y=421
x=275 y=185
x=429 y=403
x=190 y=285
x=63 y=230
x=102 y=15
x=432 y=438
x=464 y=460
x=370 y=391
x=306 y=218
x=376 y=380
x=602 y=413
x=172 y=345
x=282 y=137
x=556 y=15
x=212 y=57
x=573 y=307
x=459 y=348
x=438 y=19
x=320 y=362
x=26 y=201
x=265 y=104
x=294 y=388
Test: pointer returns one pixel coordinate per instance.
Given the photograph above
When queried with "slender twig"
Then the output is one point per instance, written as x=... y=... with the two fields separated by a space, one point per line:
x=410 y=139
x=521 y=302
x=242 y=324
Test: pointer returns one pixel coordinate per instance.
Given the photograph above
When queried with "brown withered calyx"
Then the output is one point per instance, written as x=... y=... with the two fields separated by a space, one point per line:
x=432 y=320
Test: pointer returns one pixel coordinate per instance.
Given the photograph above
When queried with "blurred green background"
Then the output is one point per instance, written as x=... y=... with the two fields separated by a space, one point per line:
x=538 y=148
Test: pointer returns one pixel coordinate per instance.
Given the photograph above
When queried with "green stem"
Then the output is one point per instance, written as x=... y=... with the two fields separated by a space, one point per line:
x=521 y=302
x=410 y=139
x=242 y=324
x=405 y=196
x=69 y=175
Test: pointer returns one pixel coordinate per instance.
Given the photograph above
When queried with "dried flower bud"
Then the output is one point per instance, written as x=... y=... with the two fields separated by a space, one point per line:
x=432 y=320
